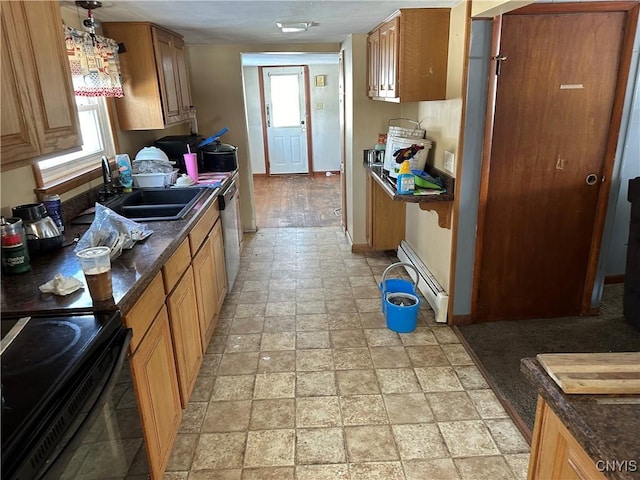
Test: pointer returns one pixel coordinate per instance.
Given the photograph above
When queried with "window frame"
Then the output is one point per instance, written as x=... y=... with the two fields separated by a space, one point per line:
x=87 y=167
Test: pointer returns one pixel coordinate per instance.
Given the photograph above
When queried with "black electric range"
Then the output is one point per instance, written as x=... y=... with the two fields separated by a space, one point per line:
x=46 y=361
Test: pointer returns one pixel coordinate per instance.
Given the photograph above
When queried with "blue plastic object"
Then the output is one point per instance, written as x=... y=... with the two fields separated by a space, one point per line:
x=213 y=137
x=400 y=318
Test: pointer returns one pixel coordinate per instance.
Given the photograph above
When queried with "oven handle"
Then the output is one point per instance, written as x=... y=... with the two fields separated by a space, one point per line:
x=58 y=459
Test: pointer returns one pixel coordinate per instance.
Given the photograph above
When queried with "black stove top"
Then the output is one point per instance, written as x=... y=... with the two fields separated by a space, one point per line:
x=37 y=366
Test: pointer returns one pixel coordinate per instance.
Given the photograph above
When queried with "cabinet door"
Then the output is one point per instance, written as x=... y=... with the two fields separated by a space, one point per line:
x=555 y=453
x=373 y=63
x=387 y=219
x=185 y=330
x=206 y=283
x=41 y=116
x=389 y=58
x=184 y=92
x=167 y=74
x=221 y=271
x=156 y=385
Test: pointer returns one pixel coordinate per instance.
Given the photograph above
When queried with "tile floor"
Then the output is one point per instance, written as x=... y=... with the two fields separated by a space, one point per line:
x=302 y=380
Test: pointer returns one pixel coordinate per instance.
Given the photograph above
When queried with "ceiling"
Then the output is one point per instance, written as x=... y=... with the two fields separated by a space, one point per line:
x=211 y=22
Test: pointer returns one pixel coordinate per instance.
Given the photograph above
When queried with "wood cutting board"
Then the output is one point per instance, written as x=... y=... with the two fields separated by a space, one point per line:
x=594 y=373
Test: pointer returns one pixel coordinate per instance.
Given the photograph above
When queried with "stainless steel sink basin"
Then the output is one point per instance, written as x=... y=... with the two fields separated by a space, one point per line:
x=151 y=204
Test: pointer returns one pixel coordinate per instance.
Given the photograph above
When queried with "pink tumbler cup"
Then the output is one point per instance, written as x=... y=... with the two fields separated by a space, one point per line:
x=191 y=162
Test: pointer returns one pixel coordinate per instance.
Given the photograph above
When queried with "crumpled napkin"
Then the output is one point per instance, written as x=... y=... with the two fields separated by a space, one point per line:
x=61 y=285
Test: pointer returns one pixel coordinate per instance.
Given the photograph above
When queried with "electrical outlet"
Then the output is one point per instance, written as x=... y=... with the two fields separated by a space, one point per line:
x=449 y=161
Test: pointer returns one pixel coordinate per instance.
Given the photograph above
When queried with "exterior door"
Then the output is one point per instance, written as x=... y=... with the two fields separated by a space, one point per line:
x=542 y=195
x=285 y=107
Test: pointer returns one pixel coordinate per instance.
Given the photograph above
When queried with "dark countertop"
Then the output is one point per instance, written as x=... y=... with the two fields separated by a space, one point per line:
x=132 y=271
x=389 y=186
x=606 y=426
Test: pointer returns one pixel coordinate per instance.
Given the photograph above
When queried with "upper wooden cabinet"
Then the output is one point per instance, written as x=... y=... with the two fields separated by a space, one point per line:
x=407 y=56
x=39 y=115
x=154 y=76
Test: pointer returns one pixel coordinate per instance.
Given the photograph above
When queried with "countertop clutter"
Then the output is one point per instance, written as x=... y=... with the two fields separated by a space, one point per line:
x=594 y=435
x=131 y=272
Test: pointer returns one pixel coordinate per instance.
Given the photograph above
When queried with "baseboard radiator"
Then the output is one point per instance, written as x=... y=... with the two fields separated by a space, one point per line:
x=427 y=283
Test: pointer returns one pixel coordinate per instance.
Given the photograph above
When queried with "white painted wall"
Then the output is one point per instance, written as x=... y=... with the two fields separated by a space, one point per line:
x=442 y=121
x=365 y=118
x=325 y=122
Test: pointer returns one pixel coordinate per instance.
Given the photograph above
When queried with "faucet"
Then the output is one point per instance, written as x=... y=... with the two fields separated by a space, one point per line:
x=107 y=188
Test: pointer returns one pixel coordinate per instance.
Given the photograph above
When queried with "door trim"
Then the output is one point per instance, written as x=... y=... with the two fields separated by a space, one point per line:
x=631 y=9
x=307 y=118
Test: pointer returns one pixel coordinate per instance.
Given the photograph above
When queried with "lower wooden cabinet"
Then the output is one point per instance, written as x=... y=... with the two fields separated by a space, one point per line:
x=385 y=218
x=185 y=330
x=208 y=270
x=154 y=375
x=555 y=453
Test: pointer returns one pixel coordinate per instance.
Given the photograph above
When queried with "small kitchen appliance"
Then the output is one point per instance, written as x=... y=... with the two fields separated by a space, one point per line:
x=175 y=146
x=219 y=157
x=42 y=232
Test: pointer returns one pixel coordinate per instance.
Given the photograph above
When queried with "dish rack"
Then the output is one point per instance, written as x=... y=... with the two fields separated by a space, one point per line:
x=402 y=132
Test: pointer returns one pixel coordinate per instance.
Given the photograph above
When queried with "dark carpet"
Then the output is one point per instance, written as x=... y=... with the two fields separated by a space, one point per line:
x=499 y=346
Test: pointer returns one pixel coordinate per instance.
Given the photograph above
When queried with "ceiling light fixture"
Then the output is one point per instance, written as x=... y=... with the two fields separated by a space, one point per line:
x=293 y=26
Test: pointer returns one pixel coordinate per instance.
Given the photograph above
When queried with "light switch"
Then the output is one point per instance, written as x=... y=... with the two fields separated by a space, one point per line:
x=449 y=161
x=320 y=106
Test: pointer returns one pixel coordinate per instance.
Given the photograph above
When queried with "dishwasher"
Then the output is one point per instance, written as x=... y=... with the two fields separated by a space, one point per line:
x=229 y=204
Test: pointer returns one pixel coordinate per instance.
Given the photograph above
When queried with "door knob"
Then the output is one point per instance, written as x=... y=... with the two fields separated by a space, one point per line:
x=591 y=179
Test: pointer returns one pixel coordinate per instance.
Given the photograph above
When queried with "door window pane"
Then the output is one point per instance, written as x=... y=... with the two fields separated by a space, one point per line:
x=285 y=101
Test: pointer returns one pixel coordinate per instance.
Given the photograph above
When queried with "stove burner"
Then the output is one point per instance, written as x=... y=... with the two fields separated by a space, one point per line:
x=67 y=335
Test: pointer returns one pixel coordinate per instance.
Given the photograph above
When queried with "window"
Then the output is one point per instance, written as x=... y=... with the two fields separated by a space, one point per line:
x=97 y=141
x=285 y=100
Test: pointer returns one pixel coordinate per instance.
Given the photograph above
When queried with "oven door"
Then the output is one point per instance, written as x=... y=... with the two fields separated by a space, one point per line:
x=106 y=440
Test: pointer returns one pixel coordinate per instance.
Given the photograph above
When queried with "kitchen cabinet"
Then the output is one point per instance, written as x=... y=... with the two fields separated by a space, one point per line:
x=555 y=453
x=154 y=76
x=407 y=56
x=373 y=63
x=183 y=319
x=385 y=220
x=39 y=115
x=156 y=385
x=209 y=271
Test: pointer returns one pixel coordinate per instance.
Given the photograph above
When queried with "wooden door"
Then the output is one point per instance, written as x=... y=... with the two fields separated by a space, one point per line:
x=154 y=375
x=373 y=63
x=167 y=74
x=185 y=331
x=183 y=78
x=388 y=68
x=206 y=283
x=542 y=188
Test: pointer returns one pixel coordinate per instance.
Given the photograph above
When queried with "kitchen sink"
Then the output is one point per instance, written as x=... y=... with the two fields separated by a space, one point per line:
x=151 y=204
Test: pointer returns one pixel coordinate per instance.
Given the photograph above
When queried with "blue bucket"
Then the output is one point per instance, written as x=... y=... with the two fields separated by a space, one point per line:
x=400 y=302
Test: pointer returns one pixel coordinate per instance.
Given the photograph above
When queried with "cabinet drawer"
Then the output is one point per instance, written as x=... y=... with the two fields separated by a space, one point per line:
x=202 y=228
x=144 y=311
x=176 y=266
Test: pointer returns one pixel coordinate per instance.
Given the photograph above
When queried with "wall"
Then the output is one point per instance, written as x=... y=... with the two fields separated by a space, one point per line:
x=364 y=119
x=614 y=245
x=325 y=122
x=468 y=181
x=442 y=120
x=217 y=92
